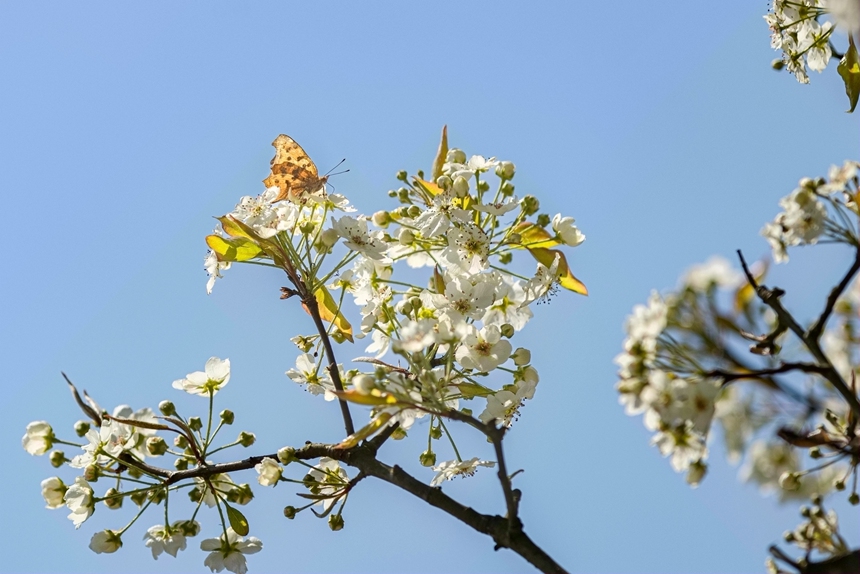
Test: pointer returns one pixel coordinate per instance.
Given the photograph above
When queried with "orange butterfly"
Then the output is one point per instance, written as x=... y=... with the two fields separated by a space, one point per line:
x=293 y=171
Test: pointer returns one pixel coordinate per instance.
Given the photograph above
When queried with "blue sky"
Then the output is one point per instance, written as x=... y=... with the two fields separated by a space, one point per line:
x=124 y=129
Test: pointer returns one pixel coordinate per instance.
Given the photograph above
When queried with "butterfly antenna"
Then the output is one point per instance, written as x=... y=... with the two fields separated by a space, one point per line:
x=335 y=167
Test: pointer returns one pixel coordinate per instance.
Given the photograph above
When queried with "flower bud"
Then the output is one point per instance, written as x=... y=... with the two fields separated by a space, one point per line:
x=246 y=438
x=338 y=336
x=506 y=257
x=156 y=446
x=505 y=170
x=444 y=182
x=406 y=236
x=138 y=498
x=398 y=434
x=778 y=64
x=335 y=522
x=402 y=175
x=180 y=464
x=179 y=441
x=53 y=491
x=461 y=186
x=805 y=511
x=854 y=498
x=543 y=220
x=427 y=458
x=286 y=455
x=167 y=408
x=522 y=356
x=57 y=458
x=839 y=484
x=789 y=481
x=156 y=495
x=195 y=424
x=328 y=237
x=363 y=383
x=413 y=211
x=392 y=193
x=82 y=427
x=403 y=195
x=696 y=473
x=465 y=411
x=455 y=156
x=241 y=494
x=113 y=499
x=381 y=218
x=290 y=512
x=227 y=416
x=507 y=330
x=507 y=189
x=91 y=473
x=105 y=542
x=189 y=528
x=436 y=432
x=483 y=186
x=307 y=227
x=134 y=472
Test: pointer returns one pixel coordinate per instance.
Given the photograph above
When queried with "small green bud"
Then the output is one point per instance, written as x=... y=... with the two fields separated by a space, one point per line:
x=427 y=458
x=815 y=452
x=134 y=472
x=405 y=308
x=57 y=458
x=507 y=330
x=505 y=170
x=506 y=257
x=195 y=424
x=543 y=220
x=189 y=528
x=436 y=432
x=179 y=441
x=328 y=237
x=444 y=182
x=381 y=219
x=515 y=238
x=91 y=473
x=156 y=446
x=854 y=498
x=805 y=511
x=335 y=522
x=246 y=438
x=839 y=485
x=402 y=175
x=363 y=383
x=405 y=237
x=156 y=495
x=241 y=494
x=167 y=408
x=398 y=434
x=788 y=536
x=413 y=211
x=392 y=193
x=530 y=204
x=307 y=227
x=483 y=186
x=816 y=499
x=195 y=494
x=416 y=302
x=522 y=356
x=461 y=186
x=338 y=337
x=290 y=512
x=286 y=455
x=507 y=189
x=82 y=427
x=466 y=411
x=180 y=464
x=778 y=64
x=227 y=416
x=455 y=156
x=112 y=499
x=138 y=498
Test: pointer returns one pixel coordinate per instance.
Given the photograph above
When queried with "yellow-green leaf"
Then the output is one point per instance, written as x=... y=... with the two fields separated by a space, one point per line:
x=237 y=520
x=849 y=69
x=233 y=248
x=745 y=293
x=566 y=278
x=470 y=390
x=374 y=398
x=441 y=154
x=364 y=432
x=329 y=312
x=438 y=281
x=236 y=228
x=428 y=186
x=534 y=236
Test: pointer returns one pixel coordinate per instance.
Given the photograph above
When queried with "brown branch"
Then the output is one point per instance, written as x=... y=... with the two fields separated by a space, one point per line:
x=771 y=298
x=729 y=376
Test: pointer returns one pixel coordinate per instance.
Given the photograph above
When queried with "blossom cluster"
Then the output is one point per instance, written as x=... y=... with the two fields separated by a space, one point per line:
x=796 y=30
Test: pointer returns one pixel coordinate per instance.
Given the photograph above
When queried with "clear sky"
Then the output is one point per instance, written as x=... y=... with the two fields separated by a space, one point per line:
x=124 y=127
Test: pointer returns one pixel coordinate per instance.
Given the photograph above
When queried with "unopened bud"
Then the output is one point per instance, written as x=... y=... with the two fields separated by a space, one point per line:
x=156 y=446
x=290 y=512
x=328 y=238
x=483 y=186
x=57 y=458
x=427 y=458
x=778 y=64
x=506 y=257
x=91 y=473
x=167 y=408
x=465 y=411
x=180 y=464
x=246 y=438
x=195 y=424
x=134 y=472
x=381 y=218
x=543 y=220
x=444 y=182
x=505 y=170
x=189 y=528
x=180 y=441
x=507 y=189
x=398 y=434
x=460 y=186
x=113 y=500
x=241 y=494
x=455 y=156
x=854 y=498
x=839 y=484
x=338 y=336
x=406 y=236
x=522 y=356
x=507 y=330
x=805 y=511
x=286 y=455
x=436 y=432
x=335 y=522
x=789 y=481
x=413 y=211
x=402 y=175
x=156 y=495
x=363 y=383
x=227 y=416
x=696 y=473
x=82 y=427
x=138 y=498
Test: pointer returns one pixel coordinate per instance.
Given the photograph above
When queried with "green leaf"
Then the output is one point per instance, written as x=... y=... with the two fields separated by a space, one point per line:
x=329 y=312
x=441 y=154
x=849 y=69
x=233 y=248
x=470 y=390
x=238 y=522
x=533 y=236
x=374 y=398
x=364 y=432
x=236 y=228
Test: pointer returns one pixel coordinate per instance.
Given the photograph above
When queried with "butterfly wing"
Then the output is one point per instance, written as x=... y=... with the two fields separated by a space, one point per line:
x=293 y=171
